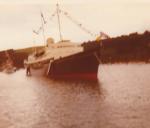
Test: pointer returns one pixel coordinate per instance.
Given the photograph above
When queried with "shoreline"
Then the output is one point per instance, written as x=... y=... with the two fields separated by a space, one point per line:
x=132 y=48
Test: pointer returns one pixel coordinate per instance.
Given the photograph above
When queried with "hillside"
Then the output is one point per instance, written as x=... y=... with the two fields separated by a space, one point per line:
x=17 y=56
x=127 y=48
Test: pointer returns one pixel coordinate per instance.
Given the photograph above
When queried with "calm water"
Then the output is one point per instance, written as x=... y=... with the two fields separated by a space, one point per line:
x=121 y=99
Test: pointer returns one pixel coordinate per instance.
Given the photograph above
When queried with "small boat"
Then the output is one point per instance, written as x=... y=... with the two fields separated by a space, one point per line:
x=10 y=70
x=8 y=67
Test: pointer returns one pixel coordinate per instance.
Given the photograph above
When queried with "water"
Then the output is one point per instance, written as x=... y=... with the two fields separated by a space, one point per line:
x=121 y=99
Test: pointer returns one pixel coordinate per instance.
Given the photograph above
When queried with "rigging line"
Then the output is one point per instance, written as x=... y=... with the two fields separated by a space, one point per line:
x=58 y=17
x=45 y=23
x=77 y=23
x=53 y=15
x=109 y=74
x=102 y=67
x=99 y=60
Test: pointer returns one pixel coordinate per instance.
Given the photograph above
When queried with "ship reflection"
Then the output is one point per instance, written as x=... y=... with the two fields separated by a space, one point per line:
x=38 y=102
x=69 y=103
x=85 y=84
x=41 y=102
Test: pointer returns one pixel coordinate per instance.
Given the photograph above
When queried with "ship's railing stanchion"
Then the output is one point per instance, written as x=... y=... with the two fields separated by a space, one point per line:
x=49 y=66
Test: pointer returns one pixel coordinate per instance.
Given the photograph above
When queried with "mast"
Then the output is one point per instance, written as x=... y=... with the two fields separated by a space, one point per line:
x=43 y=32
x=60 y=35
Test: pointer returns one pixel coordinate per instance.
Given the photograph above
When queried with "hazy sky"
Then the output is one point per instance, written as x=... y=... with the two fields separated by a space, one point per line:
x=115 y=17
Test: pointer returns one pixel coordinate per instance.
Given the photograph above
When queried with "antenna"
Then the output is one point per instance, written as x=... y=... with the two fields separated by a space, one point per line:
x=60 y=35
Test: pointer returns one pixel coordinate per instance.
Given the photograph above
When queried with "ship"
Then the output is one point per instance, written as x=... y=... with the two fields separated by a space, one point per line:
x=65 y=59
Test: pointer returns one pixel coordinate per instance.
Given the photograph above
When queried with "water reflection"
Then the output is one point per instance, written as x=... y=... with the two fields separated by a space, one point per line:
x=69 y=104
x=121 y=99
x=41 y=102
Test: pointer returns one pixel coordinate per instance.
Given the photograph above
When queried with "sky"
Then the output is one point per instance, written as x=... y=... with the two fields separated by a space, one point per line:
x=18 y=19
